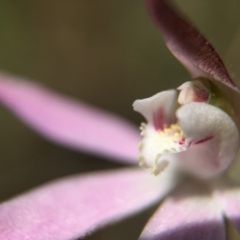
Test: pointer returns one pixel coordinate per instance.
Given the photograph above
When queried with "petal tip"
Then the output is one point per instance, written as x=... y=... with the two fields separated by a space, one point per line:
x=187 y=44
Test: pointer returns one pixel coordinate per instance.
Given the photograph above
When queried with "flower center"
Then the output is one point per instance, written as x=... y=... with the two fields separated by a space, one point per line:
x=190 y=130
x=157 y=144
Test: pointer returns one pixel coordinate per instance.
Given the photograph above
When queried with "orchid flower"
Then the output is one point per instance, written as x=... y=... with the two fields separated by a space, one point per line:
x=188 y=143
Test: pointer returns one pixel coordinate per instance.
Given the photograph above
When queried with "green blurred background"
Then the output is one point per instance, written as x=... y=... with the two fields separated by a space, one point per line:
x=105 y=52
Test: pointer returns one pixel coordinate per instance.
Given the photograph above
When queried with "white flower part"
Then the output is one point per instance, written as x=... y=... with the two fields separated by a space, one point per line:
x=158 y=109
x=213 y=138
x=157 y=145
x=197 y=138
x=161 y=136
x=194 y=91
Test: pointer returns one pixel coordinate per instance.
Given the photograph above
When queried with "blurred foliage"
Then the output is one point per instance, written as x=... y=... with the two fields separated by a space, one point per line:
x=104 y=52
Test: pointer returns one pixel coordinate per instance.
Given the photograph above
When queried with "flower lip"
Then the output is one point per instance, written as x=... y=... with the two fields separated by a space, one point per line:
x=215 y=139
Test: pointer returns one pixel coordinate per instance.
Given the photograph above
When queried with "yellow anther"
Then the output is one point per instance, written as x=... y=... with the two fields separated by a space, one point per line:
x=176 y=134
x=141 y=162
x=165 y=151
x=167 y=140
x=139 y=157
x=159 y=167
x=161 y=134
x=140 y=145
x=142 y=133
x=155 y=144
x=142 y=127
x=167 y=130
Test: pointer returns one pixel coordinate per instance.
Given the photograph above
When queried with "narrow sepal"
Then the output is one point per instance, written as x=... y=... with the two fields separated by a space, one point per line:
x=187 y=44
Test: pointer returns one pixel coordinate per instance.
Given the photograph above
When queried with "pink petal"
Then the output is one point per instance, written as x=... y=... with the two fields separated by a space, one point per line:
x=190 y=214
x=68 y=122
x=229 y=199
x=75 y=206
x=187 y=44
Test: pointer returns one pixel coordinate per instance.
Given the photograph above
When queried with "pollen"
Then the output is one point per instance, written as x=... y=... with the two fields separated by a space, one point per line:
x=140 y=145
x=158 y=168
x=157 y=146
x=141 y=162
x=170 y=135
x=142 y=129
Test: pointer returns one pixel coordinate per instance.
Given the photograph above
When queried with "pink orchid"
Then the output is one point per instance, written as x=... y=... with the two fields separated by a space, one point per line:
x=190 y=139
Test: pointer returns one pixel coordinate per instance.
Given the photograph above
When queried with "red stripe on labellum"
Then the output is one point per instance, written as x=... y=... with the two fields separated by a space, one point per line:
x=201 y=141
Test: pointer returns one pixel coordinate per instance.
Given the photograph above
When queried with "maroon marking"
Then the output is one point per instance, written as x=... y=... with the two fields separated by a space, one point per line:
x=201 y=95
x=204 y=140
x=159 y=119
x=182 y=141
x=201 y=141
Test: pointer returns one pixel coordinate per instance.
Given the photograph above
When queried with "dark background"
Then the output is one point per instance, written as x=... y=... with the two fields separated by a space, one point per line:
x=104 y=52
